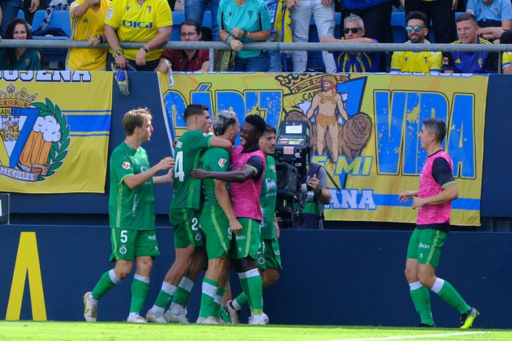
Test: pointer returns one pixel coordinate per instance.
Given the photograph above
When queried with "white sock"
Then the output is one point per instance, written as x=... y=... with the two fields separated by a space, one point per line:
x=438 y=285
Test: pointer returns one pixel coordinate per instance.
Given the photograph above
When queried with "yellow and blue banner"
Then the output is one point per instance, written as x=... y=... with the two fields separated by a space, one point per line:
x=54 y=131
x=364 y=130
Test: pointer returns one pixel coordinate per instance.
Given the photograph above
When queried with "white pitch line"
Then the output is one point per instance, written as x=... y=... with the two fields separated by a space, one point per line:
x=412 y=336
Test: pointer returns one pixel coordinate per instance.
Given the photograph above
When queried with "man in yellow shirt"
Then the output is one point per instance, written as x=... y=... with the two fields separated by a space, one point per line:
x=147 y=21
x=416 y=61
x=87 y=24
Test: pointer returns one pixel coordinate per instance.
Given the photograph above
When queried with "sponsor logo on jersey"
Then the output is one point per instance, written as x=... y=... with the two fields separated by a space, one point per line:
x=152 y=237
x=137 y=24
x=222 y=162
x=110 y=13
x=126 y=165
x=240 y=237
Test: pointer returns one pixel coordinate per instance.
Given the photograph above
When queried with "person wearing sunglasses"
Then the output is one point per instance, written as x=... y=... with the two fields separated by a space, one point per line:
x=469 y=62
x=416 y=61
x=352 y=61
x=186 y=60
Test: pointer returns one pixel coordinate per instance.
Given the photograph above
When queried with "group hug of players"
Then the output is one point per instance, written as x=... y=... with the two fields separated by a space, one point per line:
x=222 y=211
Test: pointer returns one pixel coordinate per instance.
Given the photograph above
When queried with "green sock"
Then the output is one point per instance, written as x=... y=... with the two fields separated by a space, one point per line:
x=452 y=297
x=244 y=285
x=107 y=281
x=255 y=286
x=241 y=299
x=181 y=295
x=421 y=299
x=165 y=295
x=209 y=291
x=218 y=301
x=140 y=288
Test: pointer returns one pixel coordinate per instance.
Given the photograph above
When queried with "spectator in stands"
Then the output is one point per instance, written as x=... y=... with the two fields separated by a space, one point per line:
x=149 y=23
x=416 y=61
x=87 y=24
x=493 y=17
x=442 y=14
x=245 y=21
x=469 y=62
x=195 y=9
x=10 y=9
x=186 y=60
x=301 y=13
x=19 y=58
x=376 y=15
x=30 y=7
x=506 y=59
x=353 y=29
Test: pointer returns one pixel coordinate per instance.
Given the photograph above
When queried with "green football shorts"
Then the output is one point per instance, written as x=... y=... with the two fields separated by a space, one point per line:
x=216 y=231
x=187 y=229
x=129 y=244
x=425 y=246
x=269 y=255
x=247 y=242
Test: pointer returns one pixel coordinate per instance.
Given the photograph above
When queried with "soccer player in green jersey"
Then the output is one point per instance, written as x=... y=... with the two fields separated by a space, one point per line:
x=218 y=220
x=131 y=214
x=190 y=257
x=246 y=177
x=269 y=255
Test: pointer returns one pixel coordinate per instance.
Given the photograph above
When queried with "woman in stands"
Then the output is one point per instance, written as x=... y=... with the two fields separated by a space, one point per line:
x=19 y=58
x=245 y=21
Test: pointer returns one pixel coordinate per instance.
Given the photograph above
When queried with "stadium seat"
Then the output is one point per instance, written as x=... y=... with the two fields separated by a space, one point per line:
x=398 y=27
x=59 y=19
x=179 y=17
x=21 y=14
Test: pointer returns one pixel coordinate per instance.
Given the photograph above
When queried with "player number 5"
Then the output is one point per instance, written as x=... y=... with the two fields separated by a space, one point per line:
x=124 y=236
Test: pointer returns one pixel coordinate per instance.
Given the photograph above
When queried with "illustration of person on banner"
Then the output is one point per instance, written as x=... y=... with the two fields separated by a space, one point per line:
x=323 y=103
x=328 y=110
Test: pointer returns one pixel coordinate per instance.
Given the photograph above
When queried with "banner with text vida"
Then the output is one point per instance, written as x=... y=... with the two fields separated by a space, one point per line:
x=364 y=130
x=54 y=131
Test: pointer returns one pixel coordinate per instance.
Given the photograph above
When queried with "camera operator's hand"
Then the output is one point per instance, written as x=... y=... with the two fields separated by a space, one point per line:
x=199 y=174
x=235 y=226
x=314 y=183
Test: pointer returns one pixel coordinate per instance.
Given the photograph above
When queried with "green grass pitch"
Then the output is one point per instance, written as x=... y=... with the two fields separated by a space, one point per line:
x=78 y=331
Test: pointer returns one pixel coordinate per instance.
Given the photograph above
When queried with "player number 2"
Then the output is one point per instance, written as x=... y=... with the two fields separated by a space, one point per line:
x=178 y=166
x=194 y=224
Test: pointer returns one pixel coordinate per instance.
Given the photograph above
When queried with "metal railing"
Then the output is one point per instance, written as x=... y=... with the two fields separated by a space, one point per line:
x=212 y=46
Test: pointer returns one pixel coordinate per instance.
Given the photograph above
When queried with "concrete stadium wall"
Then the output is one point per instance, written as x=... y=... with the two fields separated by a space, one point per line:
x=329 y=277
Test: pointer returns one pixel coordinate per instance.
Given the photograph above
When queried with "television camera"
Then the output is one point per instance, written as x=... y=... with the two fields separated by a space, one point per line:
x=292 y=153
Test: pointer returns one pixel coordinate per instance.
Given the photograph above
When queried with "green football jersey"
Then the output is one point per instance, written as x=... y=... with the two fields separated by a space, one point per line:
x=214 y=160
x=187 y=191
x=268 y=199
x=131 y=209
